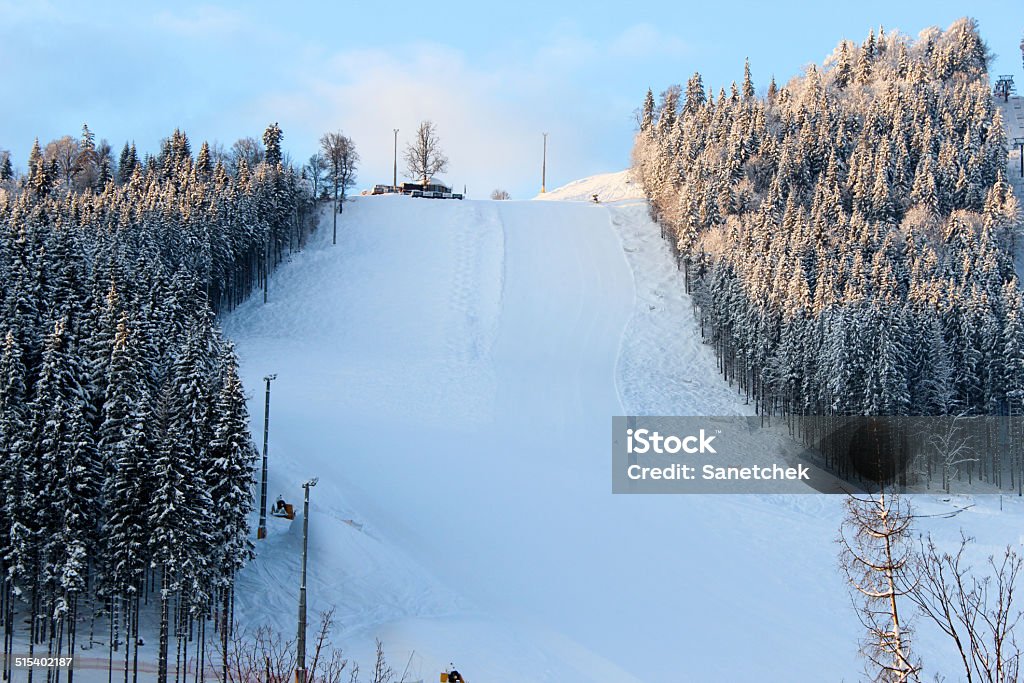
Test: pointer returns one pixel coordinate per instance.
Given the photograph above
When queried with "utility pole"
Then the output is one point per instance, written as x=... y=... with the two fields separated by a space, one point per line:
x=394 y=180
x=300 y=669
x=544 y=166
x=266 y=272
x=261 y=531
x=1020 y=144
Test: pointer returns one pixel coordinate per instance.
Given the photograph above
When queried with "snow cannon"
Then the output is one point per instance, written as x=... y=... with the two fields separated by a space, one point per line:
x=286 y=511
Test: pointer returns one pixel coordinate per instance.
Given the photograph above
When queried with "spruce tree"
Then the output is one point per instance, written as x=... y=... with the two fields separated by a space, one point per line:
x=204 y=167
x=272 y=141
x=844 y=65
x=695 y=95
x=647 y=113
x=232 y=461
x=126 y=447
x=6 y=169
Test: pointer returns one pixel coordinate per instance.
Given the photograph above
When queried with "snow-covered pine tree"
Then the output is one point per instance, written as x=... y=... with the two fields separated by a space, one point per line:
x=647 y=112
x=883 y=171
x=272 y=141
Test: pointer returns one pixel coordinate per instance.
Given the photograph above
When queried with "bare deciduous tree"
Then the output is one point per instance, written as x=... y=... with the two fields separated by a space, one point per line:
x=315 y=169
x=267 y=656
x=952 y=445
x=499 y=195
x=341 y=157
x=875 y=553
x=423 y=157
x=382 y=673
x=246 y=149
x=978 y=615
x=64 y=151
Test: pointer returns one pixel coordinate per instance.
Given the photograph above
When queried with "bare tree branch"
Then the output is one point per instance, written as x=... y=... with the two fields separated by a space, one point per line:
x=423 y=157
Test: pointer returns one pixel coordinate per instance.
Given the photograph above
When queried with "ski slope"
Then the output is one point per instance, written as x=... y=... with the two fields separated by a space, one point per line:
x=609 y=187
x=1013 y=121
x=449 y=370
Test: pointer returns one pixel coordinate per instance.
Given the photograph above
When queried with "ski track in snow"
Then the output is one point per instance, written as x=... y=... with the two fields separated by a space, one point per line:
x=661 y=370
x=449 y=371
x=407 y=328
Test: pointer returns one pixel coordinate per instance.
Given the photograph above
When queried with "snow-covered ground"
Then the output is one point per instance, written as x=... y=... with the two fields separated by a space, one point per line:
x=449 y=370
x=609 y=187
x=1013 y=121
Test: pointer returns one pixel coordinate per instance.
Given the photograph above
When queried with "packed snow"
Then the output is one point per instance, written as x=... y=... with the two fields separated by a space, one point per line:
x=449 y=370
x=1013 y=121
x=609 y=187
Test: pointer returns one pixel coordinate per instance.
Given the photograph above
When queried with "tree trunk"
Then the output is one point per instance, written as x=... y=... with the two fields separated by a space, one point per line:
x=135 y=640
x=335 y=214
x=32 y=631
x=162 y=663
x=126 y=609
x=72 y=635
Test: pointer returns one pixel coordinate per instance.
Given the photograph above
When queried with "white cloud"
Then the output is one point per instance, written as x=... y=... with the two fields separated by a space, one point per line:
x=489 y=118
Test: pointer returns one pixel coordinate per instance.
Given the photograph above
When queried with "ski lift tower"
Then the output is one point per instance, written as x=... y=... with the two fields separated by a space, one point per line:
x=1004 y=87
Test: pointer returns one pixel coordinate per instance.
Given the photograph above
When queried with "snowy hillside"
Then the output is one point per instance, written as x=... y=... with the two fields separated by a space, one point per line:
x=449 y=370
x=609 y=187
x=1013 y=120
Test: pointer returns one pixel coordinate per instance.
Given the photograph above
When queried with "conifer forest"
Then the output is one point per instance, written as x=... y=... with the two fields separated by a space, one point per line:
x=127 y=473
x=849 y=236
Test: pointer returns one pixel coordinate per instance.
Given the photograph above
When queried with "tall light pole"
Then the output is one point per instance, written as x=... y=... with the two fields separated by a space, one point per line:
x=266 y=258
x=544 y=166
x=300 y=669
x=394 y=180
x=261 y=531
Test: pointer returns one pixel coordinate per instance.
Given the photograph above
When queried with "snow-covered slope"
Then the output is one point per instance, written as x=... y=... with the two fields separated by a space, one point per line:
x=609 y=187
x=449 y=370
x=1013 y=121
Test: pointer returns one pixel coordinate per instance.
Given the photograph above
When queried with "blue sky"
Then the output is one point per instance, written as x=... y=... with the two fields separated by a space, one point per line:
x=492 y=77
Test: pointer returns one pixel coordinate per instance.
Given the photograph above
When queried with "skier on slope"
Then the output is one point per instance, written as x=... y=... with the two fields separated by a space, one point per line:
x=455 y=677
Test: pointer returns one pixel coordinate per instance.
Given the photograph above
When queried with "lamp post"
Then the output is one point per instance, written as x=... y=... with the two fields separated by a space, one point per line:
x=266 y=271
x=394 y=180
x=1020 y=144
x=544 y=166
x=300 y=669
x=261 y=531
